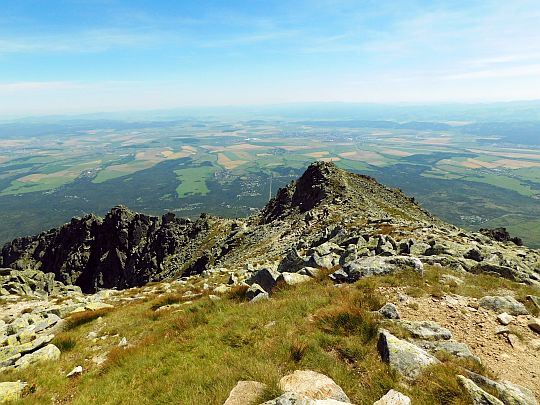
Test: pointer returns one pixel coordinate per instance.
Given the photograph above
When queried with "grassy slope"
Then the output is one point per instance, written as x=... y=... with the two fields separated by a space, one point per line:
x=195 y=355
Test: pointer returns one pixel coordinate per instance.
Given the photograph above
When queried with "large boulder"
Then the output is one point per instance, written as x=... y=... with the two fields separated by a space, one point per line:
x=501 y=304
x=313 y=385
x=245 y=393
x=375 y=266
x=407 y=358
x=11 y=391
x=508 y=392
x=45 y=354
x=266 y=278
x=292 y=278
x=477 y=395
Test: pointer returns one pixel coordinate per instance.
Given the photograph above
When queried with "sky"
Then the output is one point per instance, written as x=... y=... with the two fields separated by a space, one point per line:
x=73 y=56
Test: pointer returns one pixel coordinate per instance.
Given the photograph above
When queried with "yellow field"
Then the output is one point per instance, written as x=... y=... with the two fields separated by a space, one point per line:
x=229 y=164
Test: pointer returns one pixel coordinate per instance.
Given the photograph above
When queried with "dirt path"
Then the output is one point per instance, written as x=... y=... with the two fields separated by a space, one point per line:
x=518 y=362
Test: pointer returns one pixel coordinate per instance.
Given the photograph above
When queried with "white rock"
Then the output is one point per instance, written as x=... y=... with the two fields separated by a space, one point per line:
x=394 y=398
x=313 y=385
x=123 y=342
x=504 y=318
x=76 y=371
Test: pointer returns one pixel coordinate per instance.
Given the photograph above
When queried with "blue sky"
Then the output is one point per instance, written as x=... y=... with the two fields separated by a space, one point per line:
x=62 y=56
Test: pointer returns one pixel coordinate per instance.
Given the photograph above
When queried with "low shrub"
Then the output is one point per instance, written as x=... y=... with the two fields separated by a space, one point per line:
x=348 y=320
x=81 y=318
x=64 y=343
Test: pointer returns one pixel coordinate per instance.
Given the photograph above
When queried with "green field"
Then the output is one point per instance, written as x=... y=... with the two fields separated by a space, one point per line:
x=201 y=166
x=193 y=180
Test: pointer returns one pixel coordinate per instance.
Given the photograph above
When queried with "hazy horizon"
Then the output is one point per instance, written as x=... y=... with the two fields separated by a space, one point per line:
x=72 y=57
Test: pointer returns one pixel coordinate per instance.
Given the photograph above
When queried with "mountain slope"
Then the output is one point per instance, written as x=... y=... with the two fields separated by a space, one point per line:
x=127 y=249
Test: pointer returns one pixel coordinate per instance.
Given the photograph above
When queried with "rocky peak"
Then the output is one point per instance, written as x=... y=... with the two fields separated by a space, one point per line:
x=319 y=181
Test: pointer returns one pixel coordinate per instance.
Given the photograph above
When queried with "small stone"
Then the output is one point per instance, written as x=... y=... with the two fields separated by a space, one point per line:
x=394 y=398
x=513 y=340
x=75 y=372
x=221 y=289
x=502 y=330
x=92 y=335
x=253 y=291
x=534 y=324
x=123 y=342
x=504 y=318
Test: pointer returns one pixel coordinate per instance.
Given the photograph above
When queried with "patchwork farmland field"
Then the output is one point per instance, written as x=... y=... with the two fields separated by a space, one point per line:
x=231 y=168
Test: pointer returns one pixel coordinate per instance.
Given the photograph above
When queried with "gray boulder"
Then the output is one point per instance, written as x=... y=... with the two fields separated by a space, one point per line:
x=45 y=354
x=266 y=278
x=456 y=349
x=253 y=291
x=477 y=395
x=378 y=265
x=11 y=391
x=427 y=330
x=509 y=393
x=293 y=398
x=407 y=358
x=501 y=304
x=389 y=311
x=310 y=271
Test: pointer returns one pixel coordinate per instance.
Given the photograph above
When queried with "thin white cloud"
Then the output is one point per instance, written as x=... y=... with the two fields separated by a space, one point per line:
x=86 y=41
x=505 y=72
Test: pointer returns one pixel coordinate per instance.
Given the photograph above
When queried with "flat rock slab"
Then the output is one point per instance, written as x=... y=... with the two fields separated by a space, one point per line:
x=457 y=349
x=407 y=358
x=477 y=395
x=45 y=354
x=293 y=278
x=293 y=398
x=11 y=391
x=313 y=385
x=501 y=304
x=245 y=393
x=375 y=266
x=427 y=330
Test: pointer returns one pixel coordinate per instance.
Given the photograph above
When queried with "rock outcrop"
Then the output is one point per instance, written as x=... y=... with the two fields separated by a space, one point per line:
x=328 y=220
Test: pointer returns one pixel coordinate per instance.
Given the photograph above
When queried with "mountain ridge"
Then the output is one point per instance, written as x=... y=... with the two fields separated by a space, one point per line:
x=126 y=249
